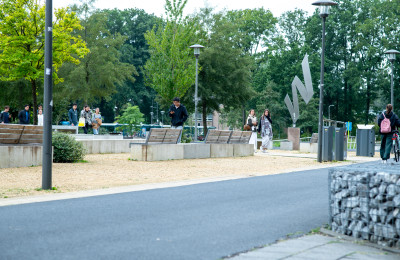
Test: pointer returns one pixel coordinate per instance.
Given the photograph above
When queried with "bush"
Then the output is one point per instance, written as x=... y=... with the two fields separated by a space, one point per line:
x=67 y=149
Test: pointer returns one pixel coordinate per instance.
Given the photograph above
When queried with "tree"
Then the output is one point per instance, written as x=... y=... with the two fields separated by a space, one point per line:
x=101 y=71
x=132 y=117
x=170 y=70
x=225 y=78
x=22 y=25
x=133 y=24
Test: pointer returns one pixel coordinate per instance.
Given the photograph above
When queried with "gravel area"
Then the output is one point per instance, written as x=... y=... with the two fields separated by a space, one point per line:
x=111 y=170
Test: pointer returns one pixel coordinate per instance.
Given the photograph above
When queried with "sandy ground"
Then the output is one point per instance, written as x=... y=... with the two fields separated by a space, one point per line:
x=110 y=170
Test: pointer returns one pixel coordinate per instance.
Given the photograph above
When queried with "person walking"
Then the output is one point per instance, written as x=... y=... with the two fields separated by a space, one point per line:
x=265 y=129
x=40 y=117
x=24 y=116
x=96 y=121
x=73 y=115
x=387 y=123
x=178 y=114
x=5 y=116
x=86 y=113
x=252 y=123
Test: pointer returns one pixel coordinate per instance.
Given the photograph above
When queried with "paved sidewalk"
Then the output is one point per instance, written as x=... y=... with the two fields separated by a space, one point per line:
x=318 y=247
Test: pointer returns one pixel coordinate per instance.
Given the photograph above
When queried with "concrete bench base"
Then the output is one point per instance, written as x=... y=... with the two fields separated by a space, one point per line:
x=162 y=152
x=20 y=156
x=309 y=147
x=287 y=146
x=107 y=146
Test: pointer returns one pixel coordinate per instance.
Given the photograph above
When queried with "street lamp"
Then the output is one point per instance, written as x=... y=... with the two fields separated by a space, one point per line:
x=151 y=119
x=329 y=111
x=162 y=117
x=392 y=57
x=324 y=6
x=196 y=49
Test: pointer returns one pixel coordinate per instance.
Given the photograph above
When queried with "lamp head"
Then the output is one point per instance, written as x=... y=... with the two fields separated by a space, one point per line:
x=324 y=6
x=392 y=54
x=196 y=48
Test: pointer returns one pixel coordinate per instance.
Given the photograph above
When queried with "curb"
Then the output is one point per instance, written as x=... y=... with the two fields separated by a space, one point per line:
x=358 y=241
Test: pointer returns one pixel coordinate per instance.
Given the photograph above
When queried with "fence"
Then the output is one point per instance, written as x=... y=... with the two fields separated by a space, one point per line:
x=364 y=202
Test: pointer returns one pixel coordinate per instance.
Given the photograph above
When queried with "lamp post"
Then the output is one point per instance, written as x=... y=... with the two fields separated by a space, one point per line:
x=151 y=119
x=392 y=57
x=196 y=48
x=329 y=111
x=324 y=6
x=48 y=99
x=162 y=117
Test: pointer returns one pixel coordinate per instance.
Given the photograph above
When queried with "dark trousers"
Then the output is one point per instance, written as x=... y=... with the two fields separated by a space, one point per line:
x=86 y=128
x=386 y=146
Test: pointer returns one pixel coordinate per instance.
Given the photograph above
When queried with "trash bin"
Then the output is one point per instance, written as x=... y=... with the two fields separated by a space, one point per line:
x=365 y=140
x=327 y=143
x=340 y=149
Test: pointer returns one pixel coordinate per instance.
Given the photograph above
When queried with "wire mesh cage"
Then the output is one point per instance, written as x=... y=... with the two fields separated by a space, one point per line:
x=364 y=202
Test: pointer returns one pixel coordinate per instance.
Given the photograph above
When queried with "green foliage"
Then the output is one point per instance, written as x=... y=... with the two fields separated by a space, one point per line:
x=101 y=71
x=186 y=136
x=22 y=26
x=132 y=24
x=132 y=117
x=67 y=149
x=170 y=71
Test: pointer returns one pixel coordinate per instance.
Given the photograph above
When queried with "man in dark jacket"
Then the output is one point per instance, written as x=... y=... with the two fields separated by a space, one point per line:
x=5 y=116
x=73 y=115
x=24 y=116
x=386 y=143
x=178 y=114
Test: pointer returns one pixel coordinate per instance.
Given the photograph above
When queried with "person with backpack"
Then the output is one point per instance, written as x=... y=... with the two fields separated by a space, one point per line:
x=387 y=123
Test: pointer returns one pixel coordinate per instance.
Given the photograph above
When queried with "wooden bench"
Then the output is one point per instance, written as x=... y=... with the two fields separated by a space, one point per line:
x=240 y=137
x=161 y=136
x=20 y=134
x=218 y=137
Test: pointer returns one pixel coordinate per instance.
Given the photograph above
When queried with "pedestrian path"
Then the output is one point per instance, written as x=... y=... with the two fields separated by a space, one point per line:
x=318 y=247
x=350 y=158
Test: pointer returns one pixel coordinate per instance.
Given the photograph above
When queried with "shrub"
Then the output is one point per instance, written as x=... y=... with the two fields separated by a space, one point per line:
x=67 y=149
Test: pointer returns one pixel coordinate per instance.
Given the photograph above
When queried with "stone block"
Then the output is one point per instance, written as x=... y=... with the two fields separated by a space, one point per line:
x=294 y=137
x=240 y=150
x=305 y=147
x=288 y=146
x=20 y=156
x=221 y=150
x=196 y=151
x=163 y=152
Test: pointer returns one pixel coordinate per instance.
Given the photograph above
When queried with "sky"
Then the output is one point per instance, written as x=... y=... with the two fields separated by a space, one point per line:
x=157 y=6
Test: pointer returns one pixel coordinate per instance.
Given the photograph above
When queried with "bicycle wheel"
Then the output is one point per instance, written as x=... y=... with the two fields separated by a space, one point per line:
x=396 y=150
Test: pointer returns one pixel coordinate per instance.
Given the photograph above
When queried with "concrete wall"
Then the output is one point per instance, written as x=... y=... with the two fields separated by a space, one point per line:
x=20 y=156
x=161 y=152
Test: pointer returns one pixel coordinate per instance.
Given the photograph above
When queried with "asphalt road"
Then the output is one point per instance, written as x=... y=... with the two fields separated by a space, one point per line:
x=204 y=221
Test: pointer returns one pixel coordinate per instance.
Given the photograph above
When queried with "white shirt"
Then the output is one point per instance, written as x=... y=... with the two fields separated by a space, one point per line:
x=40 y=119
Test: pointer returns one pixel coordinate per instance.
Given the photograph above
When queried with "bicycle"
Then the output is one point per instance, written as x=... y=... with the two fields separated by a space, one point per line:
x=396 y=147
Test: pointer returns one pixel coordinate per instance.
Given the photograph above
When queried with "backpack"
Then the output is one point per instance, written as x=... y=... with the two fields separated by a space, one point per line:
x=385 y=125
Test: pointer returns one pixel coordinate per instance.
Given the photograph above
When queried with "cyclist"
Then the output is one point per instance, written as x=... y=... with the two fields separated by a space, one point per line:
x=386 y=144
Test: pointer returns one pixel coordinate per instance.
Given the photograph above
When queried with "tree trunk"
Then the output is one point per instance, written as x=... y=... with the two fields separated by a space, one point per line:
x=204 y=107
x=34 y=98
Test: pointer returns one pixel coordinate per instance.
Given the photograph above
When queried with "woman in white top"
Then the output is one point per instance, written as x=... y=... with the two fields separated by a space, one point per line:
x=252 y=122
x=40 y=117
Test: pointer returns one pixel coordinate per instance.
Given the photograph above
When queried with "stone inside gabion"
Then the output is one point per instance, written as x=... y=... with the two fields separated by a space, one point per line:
x=365 y=202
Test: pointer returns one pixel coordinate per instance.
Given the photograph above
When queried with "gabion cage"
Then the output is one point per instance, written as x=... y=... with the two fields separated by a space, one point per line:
x=364 y=202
